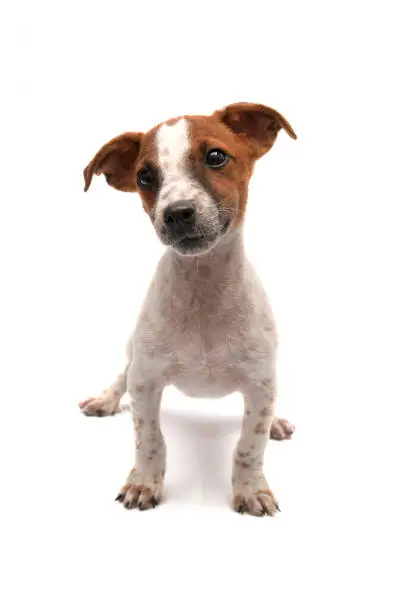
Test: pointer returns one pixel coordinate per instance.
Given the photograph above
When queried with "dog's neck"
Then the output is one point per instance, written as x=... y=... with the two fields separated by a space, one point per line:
x=198 y=288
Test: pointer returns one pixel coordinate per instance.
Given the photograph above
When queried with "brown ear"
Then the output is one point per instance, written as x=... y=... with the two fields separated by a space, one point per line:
x=116 y=160
x=257 y=123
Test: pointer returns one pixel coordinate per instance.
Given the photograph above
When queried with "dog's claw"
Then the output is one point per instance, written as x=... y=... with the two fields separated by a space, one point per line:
x=119 y=498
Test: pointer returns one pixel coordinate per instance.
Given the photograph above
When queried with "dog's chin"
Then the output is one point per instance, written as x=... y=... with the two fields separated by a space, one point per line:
x=195 y=245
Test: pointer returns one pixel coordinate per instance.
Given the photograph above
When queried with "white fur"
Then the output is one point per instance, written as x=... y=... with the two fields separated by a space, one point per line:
x=206 y=327
x=172 y=149
x=173 y=145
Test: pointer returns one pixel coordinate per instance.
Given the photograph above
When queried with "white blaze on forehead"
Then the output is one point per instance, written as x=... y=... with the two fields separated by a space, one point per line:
x=173 y=145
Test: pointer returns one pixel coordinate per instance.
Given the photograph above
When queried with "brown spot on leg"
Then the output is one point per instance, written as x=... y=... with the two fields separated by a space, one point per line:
x=260 y=429
x=242 y=464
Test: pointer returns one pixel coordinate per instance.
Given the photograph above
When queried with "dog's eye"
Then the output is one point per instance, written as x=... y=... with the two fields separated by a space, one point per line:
x=216 y=158
x=146 y=178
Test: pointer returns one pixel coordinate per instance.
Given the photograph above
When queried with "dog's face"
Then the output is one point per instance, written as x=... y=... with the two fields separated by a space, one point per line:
x=192 y=173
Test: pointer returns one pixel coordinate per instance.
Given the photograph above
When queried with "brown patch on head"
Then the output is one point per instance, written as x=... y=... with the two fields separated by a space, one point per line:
x=148 y=159
x=116 y=161
x=120 y=160
x=171 y=122
x=256 y=124
x=228 y=185
x=245 y=132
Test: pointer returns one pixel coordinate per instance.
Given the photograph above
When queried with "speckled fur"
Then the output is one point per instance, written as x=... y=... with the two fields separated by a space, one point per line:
x=205 y=327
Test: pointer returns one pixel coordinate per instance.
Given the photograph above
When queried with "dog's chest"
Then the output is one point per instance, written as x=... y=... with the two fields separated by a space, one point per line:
x=206 y=326
x=210 y=326
x=208 y=356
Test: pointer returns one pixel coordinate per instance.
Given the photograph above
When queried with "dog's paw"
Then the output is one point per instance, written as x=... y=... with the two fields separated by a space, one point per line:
x=281 y=429
x=253 y=496
x=106 y=404
x=140 y=491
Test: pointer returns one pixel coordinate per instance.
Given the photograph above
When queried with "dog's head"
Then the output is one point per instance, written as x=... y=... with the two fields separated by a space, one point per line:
x=192 y=173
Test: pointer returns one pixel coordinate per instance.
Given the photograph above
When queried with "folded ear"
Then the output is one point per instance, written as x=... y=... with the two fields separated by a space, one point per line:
x=257 y=123
x=116 y=160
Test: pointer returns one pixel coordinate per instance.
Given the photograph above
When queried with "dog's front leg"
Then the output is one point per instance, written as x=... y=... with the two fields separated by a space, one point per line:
x=144 y=485
x=251 y=492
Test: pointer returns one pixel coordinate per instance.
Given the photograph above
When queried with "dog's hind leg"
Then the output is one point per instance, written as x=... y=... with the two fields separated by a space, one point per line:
x=107 y=403
x=281 y=429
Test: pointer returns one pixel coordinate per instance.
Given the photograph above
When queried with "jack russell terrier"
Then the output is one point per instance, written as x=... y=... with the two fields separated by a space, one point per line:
x=206 y=326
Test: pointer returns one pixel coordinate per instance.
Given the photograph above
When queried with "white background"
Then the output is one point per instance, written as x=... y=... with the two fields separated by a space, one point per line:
x=327 y=230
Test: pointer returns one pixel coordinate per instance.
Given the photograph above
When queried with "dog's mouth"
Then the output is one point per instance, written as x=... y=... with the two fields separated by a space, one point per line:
x=198 y=242
x=193 y=243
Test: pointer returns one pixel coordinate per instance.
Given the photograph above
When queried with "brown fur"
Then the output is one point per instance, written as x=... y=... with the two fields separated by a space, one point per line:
x=148 y=157
x=228 y=185
x=245 y=131
x=257 y=124
x=260 y=429
x=116 y=160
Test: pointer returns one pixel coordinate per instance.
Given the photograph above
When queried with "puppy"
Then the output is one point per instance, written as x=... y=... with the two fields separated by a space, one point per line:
x=206 y=326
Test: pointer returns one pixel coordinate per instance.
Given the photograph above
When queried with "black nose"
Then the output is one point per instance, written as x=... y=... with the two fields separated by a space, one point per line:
x=179 y=217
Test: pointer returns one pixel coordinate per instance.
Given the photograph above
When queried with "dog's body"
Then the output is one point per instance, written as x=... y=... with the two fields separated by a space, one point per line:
x=206 y=326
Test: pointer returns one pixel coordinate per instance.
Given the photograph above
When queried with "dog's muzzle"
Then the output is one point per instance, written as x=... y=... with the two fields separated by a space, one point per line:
x=179 y=220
